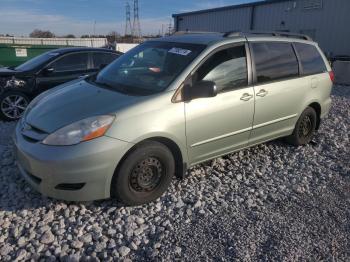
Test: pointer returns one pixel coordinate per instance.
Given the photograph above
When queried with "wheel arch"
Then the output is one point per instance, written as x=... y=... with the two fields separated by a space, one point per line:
x=317 y=107
x=180 y=159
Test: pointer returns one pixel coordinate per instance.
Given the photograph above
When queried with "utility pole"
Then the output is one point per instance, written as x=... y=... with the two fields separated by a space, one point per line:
x=128 y=29
x=170 y=27
x=94 y=28
x=136 y=25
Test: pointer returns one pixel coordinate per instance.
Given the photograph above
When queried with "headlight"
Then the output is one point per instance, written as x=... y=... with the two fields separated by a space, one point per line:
x=83 y=130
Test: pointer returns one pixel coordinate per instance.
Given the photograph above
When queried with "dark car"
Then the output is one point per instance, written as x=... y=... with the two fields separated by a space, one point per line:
x=21 y=84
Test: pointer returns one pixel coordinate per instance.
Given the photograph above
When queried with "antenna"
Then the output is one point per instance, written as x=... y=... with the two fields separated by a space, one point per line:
x=128 y=30
x=136 y=26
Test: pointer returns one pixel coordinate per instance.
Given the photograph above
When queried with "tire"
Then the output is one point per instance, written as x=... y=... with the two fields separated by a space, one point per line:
x=304 y=129
x=144 y=175
x=9 y=110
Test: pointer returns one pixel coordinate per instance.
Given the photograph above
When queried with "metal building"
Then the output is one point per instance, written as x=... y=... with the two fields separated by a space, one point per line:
x=326 y=21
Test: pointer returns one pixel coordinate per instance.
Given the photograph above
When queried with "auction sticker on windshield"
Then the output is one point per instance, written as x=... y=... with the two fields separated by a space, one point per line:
x=179 y=51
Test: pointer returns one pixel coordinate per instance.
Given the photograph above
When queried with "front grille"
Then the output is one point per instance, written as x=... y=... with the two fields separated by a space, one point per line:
x=31 y=133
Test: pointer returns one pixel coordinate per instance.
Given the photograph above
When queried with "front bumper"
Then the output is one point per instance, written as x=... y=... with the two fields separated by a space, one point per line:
x=84 y=171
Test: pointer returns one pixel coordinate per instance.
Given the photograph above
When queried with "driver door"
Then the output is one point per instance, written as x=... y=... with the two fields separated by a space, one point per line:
x=221 y=124
x=64 y=69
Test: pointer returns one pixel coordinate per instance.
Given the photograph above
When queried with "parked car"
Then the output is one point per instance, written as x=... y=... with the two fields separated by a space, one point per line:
x=167 y=105
x=22 y=83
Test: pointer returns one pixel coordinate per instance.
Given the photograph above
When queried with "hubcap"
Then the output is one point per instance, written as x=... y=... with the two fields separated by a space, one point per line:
x=146 y=175
x=305 y=127
x=13 y=106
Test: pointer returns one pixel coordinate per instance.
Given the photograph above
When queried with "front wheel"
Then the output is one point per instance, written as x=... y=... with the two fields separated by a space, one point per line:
x=144 y=175
x=12 y=105
x=304 y=129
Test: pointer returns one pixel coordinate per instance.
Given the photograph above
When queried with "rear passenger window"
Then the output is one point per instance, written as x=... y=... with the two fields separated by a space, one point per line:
x=311 y=60
x=227 y=68
x=274 y=61
x=71 y=62
x=103 y=59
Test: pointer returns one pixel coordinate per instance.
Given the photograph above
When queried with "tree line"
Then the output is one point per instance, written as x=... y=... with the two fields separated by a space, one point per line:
x=112 y=37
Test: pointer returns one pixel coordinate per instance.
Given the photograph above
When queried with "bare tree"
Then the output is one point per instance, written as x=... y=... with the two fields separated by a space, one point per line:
x=37 y=33
x=112 y=36
x=69 y=36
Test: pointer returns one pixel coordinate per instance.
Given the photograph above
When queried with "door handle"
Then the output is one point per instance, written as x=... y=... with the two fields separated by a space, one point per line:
x=262 y=93
x=83 y=76
x=246 y=97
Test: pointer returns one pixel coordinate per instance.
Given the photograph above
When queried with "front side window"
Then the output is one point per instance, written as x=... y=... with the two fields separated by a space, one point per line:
x=274 y=61
x=310 y=59
x=148 y=68
x=71 y=62
x=227 y=68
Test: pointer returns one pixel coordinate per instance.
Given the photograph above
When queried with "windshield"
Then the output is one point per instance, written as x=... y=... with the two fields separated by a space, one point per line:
x=36 y=61
x=148 y=68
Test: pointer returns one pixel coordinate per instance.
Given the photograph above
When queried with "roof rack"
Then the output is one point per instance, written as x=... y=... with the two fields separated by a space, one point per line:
x=193 y=32
x=272 y=33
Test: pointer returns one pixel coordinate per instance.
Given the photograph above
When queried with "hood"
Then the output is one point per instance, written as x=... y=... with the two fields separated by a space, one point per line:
x=70 y=103
x=7 y=72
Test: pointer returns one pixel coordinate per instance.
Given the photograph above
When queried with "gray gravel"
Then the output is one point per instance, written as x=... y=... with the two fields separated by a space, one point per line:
x=269 y=202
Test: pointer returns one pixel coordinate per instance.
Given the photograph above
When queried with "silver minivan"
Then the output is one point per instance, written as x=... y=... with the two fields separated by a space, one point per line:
x=167 y=105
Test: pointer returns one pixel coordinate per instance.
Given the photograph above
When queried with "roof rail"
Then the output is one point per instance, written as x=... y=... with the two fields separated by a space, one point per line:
x=273 y=33
x=233 y=33
x=193 y=32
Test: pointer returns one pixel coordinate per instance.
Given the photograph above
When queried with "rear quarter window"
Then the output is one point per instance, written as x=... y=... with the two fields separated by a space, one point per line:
x=310 y=58
x=274 y=61
x=103 y=58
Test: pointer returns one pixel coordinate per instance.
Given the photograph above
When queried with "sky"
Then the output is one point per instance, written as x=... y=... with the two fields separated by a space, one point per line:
x=62 y=17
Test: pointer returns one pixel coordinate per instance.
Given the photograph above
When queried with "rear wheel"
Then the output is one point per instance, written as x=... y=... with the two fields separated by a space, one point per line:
x=304 y=128
x=144 y=175
x=12 y=105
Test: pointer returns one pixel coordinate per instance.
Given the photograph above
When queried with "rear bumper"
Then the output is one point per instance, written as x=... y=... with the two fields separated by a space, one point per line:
x=325 y=108
x=81 y=172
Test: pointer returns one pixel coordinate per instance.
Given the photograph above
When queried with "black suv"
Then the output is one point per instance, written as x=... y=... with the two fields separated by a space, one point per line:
x=21 y=84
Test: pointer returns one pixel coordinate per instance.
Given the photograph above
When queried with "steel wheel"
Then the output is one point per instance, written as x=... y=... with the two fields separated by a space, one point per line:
x=146 y=175
x=305 y=127
x=13 y=106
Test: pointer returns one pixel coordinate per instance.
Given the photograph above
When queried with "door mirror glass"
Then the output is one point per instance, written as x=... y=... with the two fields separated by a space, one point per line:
x=200 y=89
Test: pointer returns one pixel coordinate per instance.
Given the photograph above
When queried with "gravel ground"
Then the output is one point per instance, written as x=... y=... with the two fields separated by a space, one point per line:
x=269 y=202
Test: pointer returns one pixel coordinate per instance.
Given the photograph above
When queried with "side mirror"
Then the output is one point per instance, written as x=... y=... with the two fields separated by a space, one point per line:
x=200 y=89
x=49 y=70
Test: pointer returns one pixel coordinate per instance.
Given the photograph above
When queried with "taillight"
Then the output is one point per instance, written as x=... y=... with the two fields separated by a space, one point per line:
x=331 y=75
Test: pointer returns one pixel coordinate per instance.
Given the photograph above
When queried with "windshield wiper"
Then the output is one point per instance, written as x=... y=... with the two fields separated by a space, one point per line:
x=105 y=85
